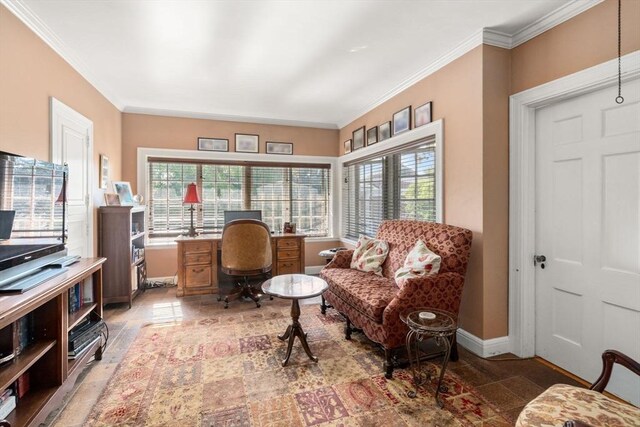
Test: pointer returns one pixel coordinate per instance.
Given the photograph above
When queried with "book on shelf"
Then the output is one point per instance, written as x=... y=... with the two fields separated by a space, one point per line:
x=5 y=395
x=7 y=406
x=23 y=384
x=24 y=332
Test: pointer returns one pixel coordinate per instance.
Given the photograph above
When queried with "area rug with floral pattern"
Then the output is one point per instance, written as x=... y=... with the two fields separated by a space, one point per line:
x=225 y=370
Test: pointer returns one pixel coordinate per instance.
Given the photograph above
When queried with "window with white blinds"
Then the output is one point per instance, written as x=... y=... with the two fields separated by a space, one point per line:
x=396 y=184
x=296 y=193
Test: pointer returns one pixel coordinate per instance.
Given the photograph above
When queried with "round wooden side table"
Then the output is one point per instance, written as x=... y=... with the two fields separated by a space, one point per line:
x=425 y=324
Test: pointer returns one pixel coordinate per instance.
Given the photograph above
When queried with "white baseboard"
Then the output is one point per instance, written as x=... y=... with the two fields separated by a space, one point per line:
x=480 y=347
x=313 y=269
x=161 y=279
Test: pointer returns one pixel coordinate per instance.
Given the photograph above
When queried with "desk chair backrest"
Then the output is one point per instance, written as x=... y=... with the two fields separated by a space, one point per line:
x=246 y=248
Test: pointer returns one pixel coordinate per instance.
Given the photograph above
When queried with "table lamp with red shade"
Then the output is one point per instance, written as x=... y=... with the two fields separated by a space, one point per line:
x=192 y=196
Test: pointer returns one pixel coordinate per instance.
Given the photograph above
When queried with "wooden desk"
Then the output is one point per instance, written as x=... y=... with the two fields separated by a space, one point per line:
x=198 y=260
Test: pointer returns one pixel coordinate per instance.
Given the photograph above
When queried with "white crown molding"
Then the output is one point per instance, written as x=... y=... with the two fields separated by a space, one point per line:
x=22 y=12
x=468 y=44
x=484 y=36
x=552 y=19
x=496 y=38
x=226 y=117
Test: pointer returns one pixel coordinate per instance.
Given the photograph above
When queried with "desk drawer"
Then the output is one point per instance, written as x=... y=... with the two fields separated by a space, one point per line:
x=197 y=276
x=197 y=258
x=288 y=267
x=288 y=243
x=192 y=247
x=288 y=254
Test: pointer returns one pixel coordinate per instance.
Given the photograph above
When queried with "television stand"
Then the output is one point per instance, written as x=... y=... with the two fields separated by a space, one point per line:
x=41 y=369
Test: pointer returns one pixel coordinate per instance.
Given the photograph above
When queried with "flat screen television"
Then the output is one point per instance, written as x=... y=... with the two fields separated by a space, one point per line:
x=33 y=215
x=233 y=215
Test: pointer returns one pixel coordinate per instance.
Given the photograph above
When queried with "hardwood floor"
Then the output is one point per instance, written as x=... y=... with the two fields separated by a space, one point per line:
x=509 y=383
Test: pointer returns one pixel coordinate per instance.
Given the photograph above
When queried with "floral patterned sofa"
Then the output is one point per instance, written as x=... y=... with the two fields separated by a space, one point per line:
x=570 y=406
x=374 y=303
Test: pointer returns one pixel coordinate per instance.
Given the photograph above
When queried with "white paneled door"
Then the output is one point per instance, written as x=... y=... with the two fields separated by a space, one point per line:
x=71 y=143
x=588 y=229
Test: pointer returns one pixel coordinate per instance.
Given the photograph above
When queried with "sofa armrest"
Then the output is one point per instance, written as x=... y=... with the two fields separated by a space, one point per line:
x=342 y=259
x=442 y=291
x=609 y=357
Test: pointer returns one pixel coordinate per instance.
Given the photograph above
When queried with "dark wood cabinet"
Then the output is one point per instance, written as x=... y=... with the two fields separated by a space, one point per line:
x=121 y=240
x=44 y=360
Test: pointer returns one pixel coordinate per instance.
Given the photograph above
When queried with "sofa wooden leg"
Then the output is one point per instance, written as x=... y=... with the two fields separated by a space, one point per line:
x=347 y=330
x=323 y=306
x=388 y=364
x=454 y=349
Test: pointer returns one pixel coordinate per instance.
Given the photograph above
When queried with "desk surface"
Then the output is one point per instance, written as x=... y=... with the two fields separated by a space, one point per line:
x=218 y=237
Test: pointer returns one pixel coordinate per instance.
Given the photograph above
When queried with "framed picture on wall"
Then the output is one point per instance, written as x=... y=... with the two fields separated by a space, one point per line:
x=246 y=143
x=402 y=120
x=279 y=147
x=347 y=146
x=104 y=171
x=372 y=135
x=213 y=144
x=384 y=131
x=422 y=115
x=358 y=138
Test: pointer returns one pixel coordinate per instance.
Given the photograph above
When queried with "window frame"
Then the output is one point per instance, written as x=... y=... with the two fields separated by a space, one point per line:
x=144 y=154
x=432 y=132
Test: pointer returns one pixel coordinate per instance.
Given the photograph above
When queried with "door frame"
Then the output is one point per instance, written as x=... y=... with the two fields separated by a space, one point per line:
x=522 y=185
x=59 y=110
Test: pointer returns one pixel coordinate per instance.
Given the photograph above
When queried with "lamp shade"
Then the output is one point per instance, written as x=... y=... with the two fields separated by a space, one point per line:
x=192 y=195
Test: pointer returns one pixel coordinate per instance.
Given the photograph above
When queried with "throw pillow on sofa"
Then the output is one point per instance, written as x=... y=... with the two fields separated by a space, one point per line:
x=369 y=255
x=421 y=261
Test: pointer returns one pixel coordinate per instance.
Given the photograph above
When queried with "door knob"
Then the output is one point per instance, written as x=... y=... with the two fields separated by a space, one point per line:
x=539 y=259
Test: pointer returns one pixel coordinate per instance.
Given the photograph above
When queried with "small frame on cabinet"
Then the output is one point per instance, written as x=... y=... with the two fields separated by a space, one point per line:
x=104 y=171
x=213 y=144
x=402 y=120
x=384 y=131
x=279 y=147
x=246 y=143
x=347 y=146
x=422 y=115
x=358 y=138
x=111 y=199
x=372 y=135
x=123 y=189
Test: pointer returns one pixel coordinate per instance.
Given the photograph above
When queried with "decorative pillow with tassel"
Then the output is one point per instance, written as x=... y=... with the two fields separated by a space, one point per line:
x=420 y=261
x=369 y=255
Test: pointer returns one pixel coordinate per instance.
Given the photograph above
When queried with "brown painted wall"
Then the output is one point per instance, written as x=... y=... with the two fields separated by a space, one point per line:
x=456 y=93
x=496 y=70
x=30 y=73
x=586 y=40
x=140 y=130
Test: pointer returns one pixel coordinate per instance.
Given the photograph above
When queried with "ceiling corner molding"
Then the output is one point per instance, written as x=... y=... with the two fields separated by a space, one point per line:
x=476 y=39
x=552 y=19
x=227 y=117
x=22 y=12
x=496 y=38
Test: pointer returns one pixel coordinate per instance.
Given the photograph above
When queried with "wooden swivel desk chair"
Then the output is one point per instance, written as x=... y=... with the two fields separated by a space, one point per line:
x=246 y=252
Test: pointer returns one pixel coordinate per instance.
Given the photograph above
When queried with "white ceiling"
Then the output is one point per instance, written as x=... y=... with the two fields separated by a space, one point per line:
x=318 y=63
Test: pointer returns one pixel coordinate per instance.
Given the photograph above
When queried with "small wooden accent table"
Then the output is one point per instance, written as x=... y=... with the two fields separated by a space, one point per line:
x=295 y=287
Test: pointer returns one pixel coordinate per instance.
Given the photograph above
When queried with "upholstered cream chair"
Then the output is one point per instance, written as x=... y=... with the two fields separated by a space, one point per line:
x=246 y=252
x=569 y=406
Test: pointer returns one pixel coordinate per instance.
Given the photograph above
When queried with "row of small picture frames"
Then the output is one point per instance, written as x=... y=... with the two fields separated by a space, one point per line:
x=401 y=123
x=245 y=143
